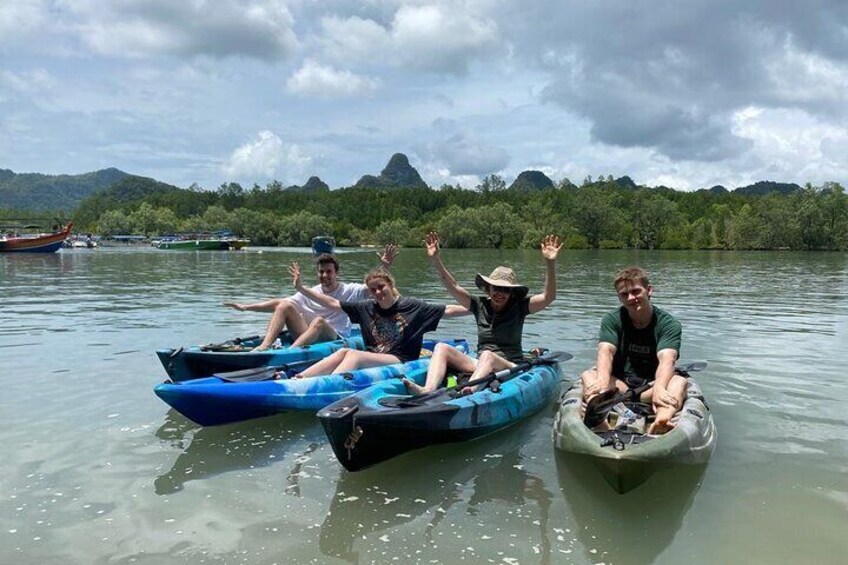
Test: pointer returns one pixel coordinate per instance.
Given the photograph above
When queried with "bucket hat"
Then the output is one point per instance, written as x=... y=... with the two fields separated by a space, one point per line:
x=503 y=277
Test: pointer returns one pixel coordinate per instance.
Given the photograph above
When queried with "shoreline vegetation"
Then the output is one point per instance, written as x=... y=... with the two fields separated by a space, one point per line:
x=600 y=214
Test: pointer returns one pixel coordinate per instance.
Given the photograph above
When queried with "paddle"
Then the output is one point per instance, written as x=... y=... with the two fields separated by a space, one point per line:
x=227 y=345
x=493 y=379
x=598 y=408
x=252 y=375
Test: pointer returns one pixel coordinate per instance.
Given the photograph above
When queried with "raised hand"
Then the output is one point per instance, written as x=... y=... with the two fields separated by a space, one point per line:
x=432 y=243
x=551 y=244
x=387 y=257
x=294 y=270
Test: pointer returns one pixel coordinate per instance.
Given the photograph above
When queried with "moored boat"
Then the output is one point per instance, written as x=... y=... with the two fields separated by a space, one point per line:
x=195 y=244
x=36 y=243
x=628 y=458
x=218 y=400
x=383 y=421
x=193 y=362
x=323 y=244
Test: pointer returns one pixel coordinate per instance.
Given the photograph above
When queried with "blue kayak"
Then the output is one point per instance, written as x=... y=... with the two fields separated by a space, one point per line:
x=382 y=422
x=199 y=361
x=218 y=400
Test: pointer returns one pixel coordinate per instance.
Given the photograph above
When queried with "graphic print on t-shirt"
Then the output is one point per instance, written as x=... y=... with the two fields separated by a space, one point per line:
x=387 y=331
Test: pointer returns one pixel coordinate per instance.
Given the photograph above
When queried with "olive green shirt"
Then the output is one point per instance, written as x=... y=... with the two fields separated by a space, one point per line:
x=500 y=332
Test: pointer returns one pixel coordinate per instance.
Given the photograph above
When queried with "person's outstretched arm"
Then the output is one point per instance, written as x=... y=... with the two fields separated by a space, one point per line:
x=320 y=298
x=431 y=245
x=551 y=245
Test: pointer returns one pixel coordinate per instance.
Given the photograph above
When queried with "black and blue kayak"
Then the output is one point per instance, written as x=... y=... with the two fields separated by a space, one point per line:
x=383 y=421
x=225 y=398
x=197 y=361
x=627 y=457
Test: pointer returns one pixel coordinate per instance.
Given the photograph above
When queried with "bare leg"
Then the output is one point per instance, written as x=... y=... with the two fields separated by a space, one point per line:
x=487 y=362
x=319 y=330
x=444 y=356
x=594 y=385
x=285 y=315
x=265 y=306
x=662 y=422
x=345 y=360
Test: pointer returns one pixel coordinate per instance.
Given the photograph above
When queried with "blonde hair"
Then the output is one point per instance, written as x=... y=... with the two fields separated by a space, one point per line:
x=385 y=276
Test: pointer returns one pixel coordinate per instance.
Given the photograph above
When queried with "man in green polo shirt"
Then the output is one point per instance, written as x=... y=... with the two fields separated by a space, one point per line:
x=639 y=343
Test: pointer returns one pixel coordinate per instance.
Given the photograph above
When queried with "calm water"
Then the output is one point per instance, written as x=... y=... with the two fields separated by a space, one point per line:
x=95 y=469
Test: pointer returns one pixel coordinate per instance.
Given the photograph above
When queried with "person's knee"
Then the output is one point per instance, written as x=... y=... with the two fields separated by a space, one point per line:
x=588 y=376
x=486 y=357
x=284 y=306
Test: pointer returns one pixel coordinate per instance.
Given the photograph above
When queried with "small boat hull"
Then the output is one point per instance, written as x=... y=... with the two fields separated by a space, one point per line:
x=323 y=244
x=194 y=362
x=363 y=431
x=213 y=401
x=691 y=442
x=196 y=245
x=49 y=243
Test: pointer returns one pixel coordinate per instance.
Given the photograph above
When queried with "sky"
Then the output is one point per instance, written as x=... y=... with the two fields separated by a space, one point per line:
x=681 y=93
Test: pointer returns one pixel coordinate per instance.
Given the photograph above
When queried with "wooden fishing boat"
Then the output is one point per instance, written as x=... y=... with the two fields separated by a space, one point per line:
x=35 y=243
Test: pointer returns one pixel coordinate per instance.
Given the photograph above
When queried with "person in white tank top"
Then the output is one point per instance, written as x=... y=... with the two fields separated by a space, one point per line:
x=308 y=321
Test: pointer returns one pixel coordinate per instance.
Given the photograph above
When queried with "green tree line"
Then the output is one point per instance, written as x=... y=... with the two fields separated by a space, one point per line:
x=599 y=214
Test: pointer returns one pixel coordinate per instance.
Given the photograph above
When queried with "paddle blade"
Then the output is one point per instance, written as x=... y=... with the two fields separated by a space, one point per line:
x=691 y=367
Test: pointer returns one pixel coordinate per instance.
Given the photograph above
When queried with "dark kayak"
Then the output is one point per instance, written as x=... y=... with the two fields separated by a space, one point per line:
x=627 y=459
x=233 y=397
x=198 y=361
x=383 y=421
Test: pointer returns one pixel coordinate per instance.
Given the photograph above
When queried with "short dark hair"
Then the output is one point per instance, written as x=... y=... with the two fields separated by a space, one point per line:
x=327 y=259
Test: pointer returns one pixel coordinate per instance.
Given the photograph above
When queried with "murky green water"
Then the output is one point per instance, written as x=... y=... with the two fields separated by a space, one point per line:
x=95 y=469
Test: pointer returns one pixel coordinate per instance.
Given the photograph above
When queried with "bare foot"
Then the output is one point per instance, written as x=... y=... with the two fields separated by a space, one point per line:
x=260 y=348
x=413 y=388
x=660 y=427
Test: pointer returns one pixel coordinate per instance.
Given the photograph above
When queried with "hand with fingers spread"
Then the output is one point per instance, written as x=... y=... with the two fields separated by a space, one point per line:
x=551 y=244
x=387 y=257
x=294 y=271
x=432 y=244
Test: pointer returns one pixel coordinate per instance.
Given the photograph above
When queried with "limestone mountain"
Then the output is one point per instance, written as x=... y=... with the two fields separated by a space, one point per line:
x=314 y=184
x=766 y=186
x=531 y=180
x=398 y=173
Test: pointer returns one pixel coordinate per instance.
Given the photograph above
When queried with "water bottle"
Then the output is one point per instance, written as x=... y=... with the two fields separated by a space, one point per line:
x=625 y=416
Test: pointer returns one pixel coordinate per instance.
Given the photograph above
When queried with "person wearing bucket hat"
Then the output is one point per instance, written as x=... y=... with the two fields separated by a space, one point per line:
x=500 y=315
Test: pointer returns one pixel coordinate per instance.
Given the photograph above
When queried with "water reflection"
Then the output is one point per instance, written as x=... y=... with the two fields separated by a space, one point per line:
x=403 y=491
x=219 y=449
x=626 y=528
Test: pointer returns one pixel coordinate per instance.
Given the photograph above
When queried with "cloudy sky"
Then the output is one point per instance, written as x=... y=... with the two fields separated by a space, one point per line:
x=686 y=93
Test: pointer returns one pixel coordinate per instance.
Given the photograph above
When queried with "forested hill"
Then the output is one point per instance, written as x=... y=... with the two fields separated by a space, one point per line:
x=37 y=192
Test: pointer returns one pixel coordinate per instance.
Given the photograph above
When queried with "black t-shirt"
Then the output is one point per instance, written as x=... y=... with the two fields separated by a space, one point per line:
x=398 y=330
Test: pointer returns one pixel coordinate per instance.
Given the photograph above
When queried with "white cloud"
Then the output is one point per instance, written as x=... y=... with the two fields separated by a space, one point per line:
x=314 y=79
x=428 y=37
x=261 y=29
x=267 y=158
x=19 y=18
